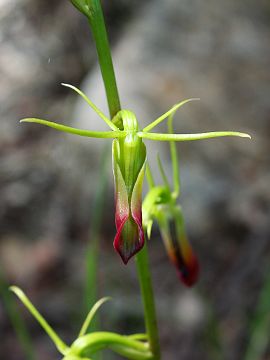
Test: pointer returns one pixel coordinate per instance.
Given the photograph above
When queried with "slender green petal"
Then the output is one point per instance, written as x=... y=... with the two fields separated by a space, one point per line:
x=169 y=112
x=155 y=196
x=175 y=165
x=93 y=106
x=71 y=130
x=61 y=346
x=149 y=228
x=149 y=176
x=131 y=354
x=142 y=337
x=162 y=172
x=91 y=314
x=73 y=357
x=189 y=137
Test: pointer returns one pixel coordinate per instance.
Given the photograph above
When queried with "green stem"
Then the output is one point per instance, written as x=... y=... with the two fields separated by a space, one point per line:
x=144 y=275
x=97 y=24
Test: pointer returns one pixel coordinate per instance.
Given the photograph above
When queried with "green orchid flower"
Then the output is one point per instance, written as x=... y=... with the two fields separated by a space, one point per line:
x=129 y=159
x=160 y=205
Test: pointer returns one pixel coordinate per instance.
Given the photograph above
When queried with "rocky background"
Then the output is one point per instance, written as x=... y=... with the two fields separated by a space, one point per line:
x=164 y=51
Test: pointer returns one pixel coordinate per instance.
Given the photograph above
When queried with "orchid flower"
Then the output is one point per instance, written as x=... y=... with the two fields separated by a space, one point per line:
x=160 y=204
x=129 y=159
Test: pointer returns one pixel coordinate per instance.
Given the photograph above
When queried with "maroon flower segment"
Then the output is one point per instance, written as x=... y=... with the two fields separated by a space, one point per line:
x=129 y=238
x=188 y=271
x=178 y=248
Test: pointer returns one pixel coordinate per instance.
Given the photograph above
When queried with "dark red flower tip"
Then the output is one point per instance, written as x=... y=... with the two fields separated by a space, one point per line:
x=129 y=238
x=189 y=272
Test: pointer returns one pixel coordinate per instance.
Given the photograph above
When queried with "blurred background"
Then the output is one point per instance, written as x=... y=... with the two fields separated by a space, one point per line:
x=163 y=51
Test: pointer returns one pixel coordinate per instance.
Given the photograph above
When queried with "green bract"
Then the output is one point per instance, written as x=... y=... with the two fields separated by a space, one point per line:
x=84 y=6
x=129 y=158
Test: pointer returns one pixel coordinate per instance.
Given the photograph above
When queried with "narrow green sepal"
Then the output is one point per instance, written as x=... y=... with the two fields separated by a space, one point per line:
x=167 y=114
x=91 y=314
x=174 y=157
x=155 y=195
x=75 y=131
x=190 y=137
x=149 y=228
x=93 y=106
x=162 y=172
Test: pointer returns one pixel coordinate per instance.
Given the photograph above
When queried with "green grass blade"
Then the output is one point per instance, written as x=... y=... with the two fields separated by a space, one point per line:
x=92 y=254
x=16 y=320
x=260 y=325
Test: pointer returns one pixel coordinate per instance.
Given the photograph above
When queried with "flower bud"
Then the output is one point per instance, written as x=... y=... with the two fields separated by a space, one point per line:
x=129 y=157
x=171 y=224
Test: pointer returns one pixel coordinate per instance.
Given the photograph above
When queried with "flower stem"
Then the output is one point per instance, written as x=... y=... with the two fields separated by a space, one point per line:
x=144 y=275
x=97 y=24
x=98 y=28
